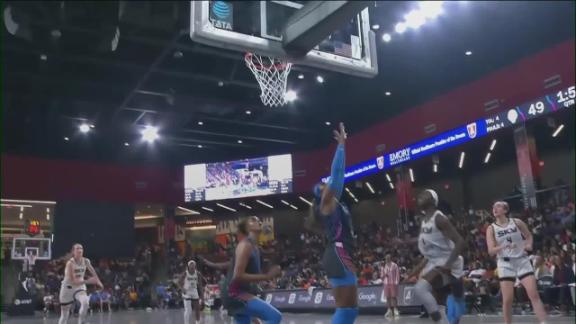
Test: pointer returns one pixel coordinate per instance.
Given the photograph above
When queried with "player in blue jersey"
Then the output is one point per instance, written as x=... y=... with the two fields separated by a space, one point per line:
x=334 y=220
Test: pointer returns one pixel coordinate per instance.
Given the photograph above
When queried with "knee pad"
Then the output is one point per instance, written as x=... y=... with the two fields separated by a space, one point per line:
x=345 y=315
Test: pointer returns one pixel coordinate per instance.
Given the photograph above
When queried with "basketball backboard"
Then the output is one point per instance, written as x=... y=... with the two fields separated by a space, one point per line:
x=23 y=246
x=258 y=27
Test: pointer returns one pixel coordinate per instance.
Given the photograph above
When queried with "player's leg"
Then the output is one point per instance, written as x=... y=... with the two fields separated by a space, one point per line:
x=187 y=309
x=507 y=291
x=256 y=307
x=82 y=298
x=196 y=307
x=529 y=282
x=394 y=300
x=455 y=304
x=424 y=288
x=345 y=294
x=64 y=313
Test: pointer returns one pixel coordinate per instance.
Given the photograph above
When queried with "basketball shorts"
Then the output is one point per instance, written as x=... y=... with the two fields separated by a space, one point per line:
x=191 y=295
x=457 y=270
x=512 y=268
x=68 y=293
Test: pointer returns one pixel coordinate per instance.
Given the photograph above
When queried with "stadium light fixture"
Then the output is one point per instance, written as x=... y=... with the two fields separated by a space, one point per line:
x=208 y=209
x=493 y=145
x=461 y=161
x=226 y=207
x=558 y=130
x=150 y=134
x=245 y=206
x=487 y=158
x=264 y=204
x=305 y=200
x=411 y=174
x=370 y=187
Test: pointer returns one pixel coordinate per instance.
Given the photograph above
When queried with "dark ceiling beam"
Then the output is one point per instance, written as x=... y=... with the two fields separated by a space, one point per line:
x=245 y=123
x=175 y=141
x=252 y=138
x=165 y=51
x=131 y=66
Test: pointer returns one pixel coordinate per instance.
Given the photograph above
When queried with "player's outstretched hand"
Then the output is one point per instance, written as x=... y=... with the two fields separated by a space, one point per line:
x=340 y=134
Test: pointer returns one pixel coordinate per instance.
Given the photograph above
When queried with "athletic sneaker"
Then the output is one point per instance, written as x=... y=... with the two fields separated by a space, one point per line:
x=455 y=309
x=396 y=312
x=389 y=313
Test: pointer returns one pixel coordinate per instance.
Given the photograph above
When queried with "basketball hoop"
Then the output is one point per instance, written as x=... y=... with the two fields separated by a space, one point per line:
x=271 y=74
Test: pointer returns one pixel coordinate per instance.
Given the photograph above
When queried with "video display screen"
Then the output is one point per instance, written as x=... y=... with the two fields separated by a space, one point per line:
x=238 y=179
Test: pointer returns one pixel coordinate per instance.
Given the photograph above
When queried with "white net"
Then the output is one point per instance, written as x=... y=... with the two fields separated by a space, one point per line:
x=272 y=75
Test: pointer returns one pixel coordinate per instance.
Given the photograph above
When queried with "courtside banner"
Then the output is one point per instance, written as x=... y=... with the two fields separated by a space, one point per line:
x=322 y=298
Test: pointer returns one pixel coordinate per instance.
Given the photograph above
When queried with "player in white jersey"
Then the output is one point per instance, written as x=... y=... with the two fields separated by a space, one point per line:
x=73 y=286
x=192 y=290
x=511 y=241
x=440 y=245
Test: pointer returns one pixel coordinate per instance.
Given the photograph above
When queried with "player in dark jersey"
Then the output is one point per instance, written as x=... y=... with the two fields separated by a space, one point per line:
x=238 y=298
x=334 y=220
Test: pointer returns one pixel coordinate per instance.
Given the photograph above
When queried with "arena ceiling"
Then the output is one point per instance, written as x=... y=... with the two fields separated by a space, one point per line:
x=60 y=74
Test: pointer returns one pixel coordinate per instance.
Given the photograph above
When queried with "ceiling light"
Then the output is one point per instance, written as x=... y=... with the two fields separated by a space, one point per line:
x=264 y=204
x=43 y=57
x=411 y=174
x=220 y=83
x=435 y=167
x=290 y=95
x=22 y=208
x=188 y=210
x=300 y=76
x=23 y=201
x=319 y=79
x=350 y=193
x=147 y=217
x=208 y=209
x=126 y=144
x=388 y=93
x=375 y=26
x=150 y=134
x=431 y=9
x=391 y=185
x=248 y=112
x=285 y=202
x=200 y=146
x=66 y=139
x=328 y=123
x=293 y=207
x=226 y=207
x=84 y=128
x=201 y=228
x=47 y=216
x=493 y=145
x=370 y=187
x=400 y=28
x=415 y=19
x=558 y=130
x=461 y=161
x=386 y=37
x=92 y=126
x=21 y=215
x=240 y=142
x=244 y=205
x=304 y=200
x=468 y=53
x=388 y=177
x=200 y=123
x=487 y=158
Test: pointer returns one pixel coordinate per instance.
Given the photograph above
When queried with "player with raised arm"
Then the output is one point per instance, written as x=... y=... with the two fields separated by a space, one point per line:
x=334 y=220
x=511 y=241
x=74 y=286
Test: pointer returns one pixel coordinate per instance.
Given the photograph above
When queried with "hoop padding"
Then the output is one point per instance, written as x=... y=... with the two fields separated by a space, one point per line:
x=272 y=75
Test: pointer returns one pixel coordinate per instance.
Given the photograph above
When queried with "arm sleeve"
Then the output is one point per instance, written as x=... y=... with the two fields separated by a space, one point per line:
x=336 y=181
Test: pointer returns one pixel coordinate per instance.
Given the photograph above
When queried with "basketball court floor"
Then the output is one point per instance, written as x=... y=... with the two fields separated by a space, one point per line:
x=176 y=317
